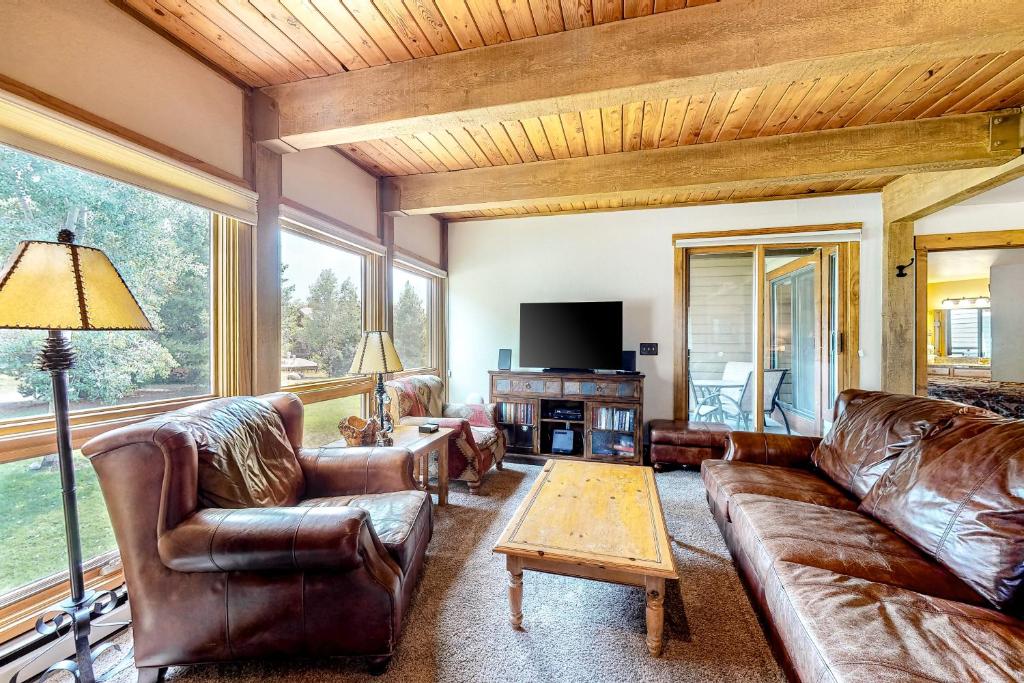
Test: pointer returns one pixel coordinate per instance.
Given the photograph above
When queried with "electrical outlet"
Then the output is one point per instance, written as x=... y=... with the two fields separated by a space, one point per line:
x=648 y=349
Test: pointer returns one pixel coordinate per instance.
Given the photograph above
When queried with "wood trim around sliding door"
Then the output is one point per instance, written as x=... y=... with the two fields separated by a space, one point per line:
x=680 y=390
x=848 y=375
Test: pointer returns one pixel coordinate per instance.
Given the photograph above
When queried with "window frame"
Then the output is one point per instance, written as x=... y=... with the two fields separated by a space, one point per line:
x=979 y=330
x=335 y=237
x=437 y=280
x=28 y=437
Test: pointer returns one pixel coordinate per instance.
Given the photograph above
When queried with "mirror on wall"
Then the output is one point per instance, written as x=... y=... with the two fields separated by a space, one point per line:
x=975 y=322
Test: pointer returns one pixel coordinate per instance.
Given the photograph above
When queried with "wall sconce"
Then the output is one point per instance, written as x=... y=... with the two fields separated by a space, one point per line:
x=967 y=302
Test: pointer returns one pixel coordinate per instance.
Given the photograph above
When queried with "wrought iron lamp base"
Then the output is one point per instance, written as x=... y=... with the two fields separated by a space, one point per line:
x=386 y=426
x=74 y=618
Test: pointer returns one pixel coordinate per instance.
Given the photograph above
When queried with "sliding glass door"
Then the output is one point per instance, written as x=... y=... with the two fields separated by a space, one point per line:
x=766 y=328
x=721 y=338
x=793 y=353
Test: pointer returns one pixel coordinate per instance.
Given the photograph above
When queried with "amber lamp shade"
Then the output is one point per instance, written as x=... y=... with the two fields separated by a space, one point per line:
x=375 y=353
x=65 y=286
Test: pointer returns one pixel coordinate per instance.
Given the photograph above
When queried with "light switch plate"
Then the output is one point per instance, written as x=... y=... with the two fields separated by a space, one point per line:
x=648 y=349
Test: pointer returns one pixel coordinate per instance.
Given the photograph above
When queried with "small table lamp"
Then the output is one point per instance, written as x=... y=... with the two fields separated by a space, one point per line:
x=60 y=286
x=376 y=354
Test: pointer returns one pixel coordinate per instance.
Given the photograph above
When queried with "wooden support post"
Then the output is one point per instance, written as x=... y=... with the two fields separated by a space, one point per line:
x=263 y=169
x=898 y=299
x=386 y=232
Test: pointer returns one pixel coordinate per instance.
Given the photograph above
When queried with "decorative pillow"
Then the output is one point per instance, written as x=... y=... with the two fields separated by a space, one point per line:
x=873 y=429
x=245 y=458
x=478 y=414
x=959 y=496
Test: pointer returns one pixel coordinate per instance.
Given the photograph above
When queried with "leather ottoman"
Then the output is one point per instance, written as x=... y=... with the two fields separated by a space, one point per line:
x=682 y=442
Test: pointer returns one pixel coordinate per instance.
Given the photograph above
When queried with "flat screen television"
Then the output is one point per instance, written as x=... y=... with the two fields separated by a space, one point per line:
x=585 y=335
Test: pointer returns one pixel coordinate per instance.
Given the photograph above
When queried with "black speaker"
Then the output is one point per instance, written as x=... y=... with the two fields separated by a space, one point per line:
x=629 y=361
x=504 y=359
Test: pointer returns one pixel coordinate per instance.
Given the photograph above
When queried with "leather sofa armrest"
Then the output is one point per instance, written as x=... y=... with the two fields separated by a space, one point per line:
x=772 y=449
x=269 y=539
x=363 y=469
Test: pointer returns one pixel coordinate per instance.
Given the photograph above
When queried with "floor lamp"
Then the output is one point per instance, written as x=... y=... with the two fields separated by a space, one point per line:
x=59 y=286
x=376 y=354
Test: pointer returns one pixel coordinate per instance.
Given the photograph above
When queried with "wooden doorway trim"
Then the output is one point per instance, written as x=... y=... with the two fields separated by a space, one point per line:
x=959 y=241
x=848 y=318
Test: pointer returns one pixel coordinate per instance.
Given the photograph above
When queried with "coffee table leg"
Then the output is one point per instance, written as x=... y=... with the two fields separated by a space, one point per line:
x=442 y=473
x=655 y=614
x=515 y=590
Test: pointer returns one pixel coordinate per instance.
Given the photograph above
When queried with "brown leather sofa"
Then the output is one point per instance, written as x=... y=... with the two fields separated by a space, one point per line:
x=239 y=543
x=891 y=551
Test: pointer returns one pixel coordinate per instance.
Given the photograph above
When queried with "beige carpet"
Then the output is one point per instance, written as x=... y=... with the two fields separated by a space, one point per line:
x=575 y=630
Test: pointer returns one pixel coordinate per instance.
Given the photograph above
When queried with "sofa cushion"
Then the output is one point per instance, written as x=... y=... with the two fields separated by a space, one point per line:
x=872 y=429
x=725 y=478
x=887 y=634
x=847 y=542
x=401 y=520
x=959 y=496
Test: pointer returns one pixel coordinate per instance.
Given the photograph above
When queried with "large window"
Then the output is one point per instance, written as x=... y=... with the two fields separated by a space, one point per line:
x=32 y=520
x=321 y=308
x=412 y=310
x=161 y=247
x=969 y=332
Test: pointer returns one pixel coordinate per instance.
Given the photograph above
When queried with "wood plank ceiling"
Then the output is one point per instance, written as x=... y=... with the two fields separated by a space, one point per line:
x=261 y=42
x=267 y=42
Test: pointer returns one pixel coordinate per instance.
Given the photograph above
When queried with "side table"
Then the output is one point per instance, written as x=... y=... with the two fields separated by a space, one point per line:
x=422 y=446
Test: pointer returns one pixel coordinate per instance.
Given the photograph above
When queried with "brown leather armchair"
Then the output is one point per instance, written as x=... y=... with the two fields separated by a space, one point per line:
x=320 y=563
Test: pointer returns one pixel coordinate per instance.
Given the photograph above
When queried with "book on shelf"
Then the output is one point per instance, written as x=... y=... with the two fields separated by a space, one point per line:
x=515 y=413
x=615 y=419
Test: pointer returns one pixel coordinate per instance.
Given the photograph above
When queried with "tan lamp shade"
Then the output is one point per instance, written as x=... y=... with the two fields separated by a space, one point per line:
x=65 y=286
x=375 y=353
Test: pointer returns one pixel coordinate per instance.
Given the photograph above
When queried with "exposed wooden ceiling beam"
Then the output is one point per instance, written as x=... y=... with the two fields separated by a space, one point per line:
x=726 y=45
x=925 y=145
x=915 y=196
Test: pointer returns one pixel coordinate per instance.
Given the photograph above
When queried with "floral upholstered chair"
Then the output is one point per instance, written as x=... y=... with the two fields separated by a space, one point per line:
x=477 y=442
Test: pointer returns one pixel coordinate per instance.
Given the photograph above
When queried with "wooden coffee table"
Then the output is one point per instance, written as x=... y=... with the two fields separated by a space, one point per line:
x=422 y=447
x=596 y=521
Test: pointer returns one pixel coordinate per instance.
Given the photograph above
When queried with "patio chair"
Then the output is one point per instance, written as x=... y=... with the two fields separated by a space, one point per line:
x=736 y=404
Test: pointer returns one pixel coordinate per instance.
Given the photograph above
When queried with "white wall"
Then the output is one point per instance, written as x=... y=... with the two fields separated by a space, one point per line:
x=973 y=218
x=419 y=235
x=495 y=265
x=94 y=56
x=324 y=180
x=1007 y=282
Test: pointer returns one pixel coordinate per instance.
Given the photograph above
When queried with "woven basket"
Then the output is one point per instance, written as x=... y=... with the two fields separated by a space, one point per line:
x=359 y=432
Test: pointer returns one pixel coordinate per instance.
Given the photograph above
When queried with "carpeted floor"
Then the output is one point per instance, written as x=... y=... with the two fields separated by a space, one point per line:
x=574 y=630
